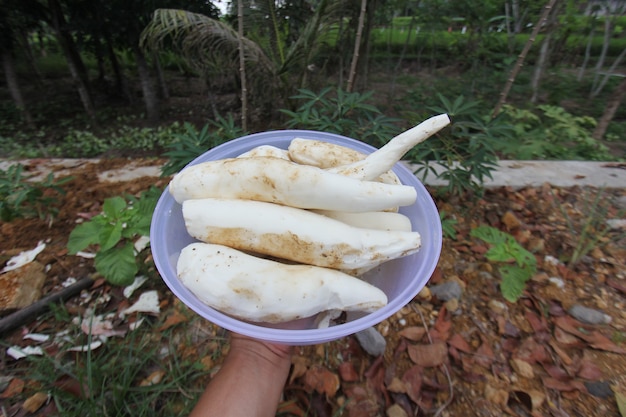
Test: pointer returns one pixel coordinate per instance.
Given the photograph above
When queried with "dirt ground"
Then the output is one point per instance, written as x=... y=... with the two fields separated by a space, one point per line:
x=478 y=355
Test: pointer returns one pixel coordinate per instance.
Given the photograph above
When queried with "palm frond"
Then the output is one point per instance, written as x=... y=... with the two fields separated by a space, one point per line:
x=207 y=44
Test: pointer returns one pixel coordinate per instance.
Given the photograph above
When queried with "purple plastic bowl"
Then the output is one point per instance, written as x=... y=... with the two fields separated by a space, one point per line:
x=401 y=279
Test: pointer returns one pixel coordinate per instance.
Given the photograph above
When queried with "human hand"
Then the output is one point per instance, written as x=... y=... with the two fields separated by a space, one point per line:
x=274 y=353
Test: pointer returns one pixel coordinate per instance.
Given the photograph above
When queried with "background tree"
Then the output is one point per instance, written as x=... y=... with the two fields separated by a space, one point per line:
x=522 y=56
x=16 y=18
x=211 y=46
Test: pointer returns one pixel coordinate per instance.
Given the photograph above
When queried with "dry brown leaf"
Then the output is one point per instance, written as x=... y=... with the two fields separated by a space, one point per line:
x=559 y=385
x=396 y=385
x=16 y=386
x=300 y=366
x=496 y=395
x=72 y=386
x=484 y=355
x=322 y=380
x=412 y=380
x=441 y=329
x=594 y=338
x=565 y=358
x=413 y=333
x=347 y=372
x=290 y=408
x=537 y=323
x=616 y=285
x=532 y=352
x=510 y=220
x=458 y=342
x=589 y=371
x=566 y=339
x=174 y=318
x=428 y=355
x=522 y=368
x=35 y=401
x=556 y=372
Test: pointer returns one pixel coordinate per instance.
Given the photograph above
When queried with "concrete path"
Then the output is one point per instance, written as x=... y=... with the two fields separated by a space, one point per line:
x=558 y=173
x=509 y=173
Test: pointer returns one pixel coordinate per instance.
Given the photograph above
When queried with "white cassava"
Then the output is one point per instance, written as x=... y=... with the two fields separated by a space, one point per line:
x=279 y=181
x=380 y=220
x=327 y=155
x=294 y=234
x=266 y=150
x=262 y=290
x=384 y=158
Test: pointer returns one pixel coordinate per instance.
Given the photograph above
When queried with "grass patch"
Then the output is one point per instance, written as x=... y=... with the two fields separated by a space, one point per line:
x=147 y=372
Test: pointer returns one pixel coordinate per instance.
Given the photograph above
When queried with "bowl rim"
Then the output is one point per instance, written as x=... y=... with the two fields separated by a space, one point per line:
x=296 y=336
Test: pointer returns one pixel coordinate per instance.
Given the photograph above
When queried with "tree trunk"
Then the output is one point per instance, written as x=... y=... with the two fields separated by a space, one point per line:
x=149 y=95
x=405 y=47
x=608 y=30
x=14 y=86
x=609 y=73
x=121 y=84
x=583 y=67
x=74 y=61
x=540 y=67
x=612 y=105
x=545 y=51
x=357 y=46
x=30 y=57
x=165 y=92
x=522 y=56
x=242 y=68
x=517 y=19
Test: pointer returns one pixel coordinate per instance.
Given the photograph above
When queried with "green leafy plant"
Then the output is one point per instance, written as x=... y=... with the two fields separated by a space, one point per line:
x=550 y=132
x=447 y=225
x=592 y=231
x=193 y=142
x=465 y=149
x=336 y=111
x=85 y=143
x=114 y=231
x=22 y=197
x=515 y=264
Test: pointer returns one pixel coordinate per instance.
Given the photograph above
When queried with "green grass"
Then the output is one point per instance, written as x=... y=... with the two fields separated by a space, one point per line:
x=108 y=381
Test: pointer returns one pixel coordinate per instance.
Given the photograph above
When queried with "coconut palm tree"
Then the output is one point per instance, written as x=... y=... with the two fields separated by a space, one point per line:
x=275 y=60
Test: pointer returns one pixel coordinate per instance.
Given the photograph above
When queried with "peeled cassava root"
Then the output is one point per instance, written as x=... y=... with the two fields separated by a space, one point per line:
x=276 y=180
x=293 y=234
x=325 y=207
x=261 y=290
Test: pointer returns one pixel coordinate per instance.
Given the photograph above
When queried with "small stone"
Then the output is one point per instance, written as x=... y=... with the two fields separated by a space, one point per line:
x=447 y=290
x=557 y=281
x=396 y=411
x=452 y=305
x=621 y=202
x=425 y=294
x=588 y=315
x=600 y=389
x=372 y=341
x=616 y=224
x=497 y=307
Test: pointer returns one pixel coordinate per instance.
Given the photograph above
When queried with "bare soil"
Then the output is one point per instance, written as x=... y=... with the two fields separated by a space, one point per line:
x=480 y=356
